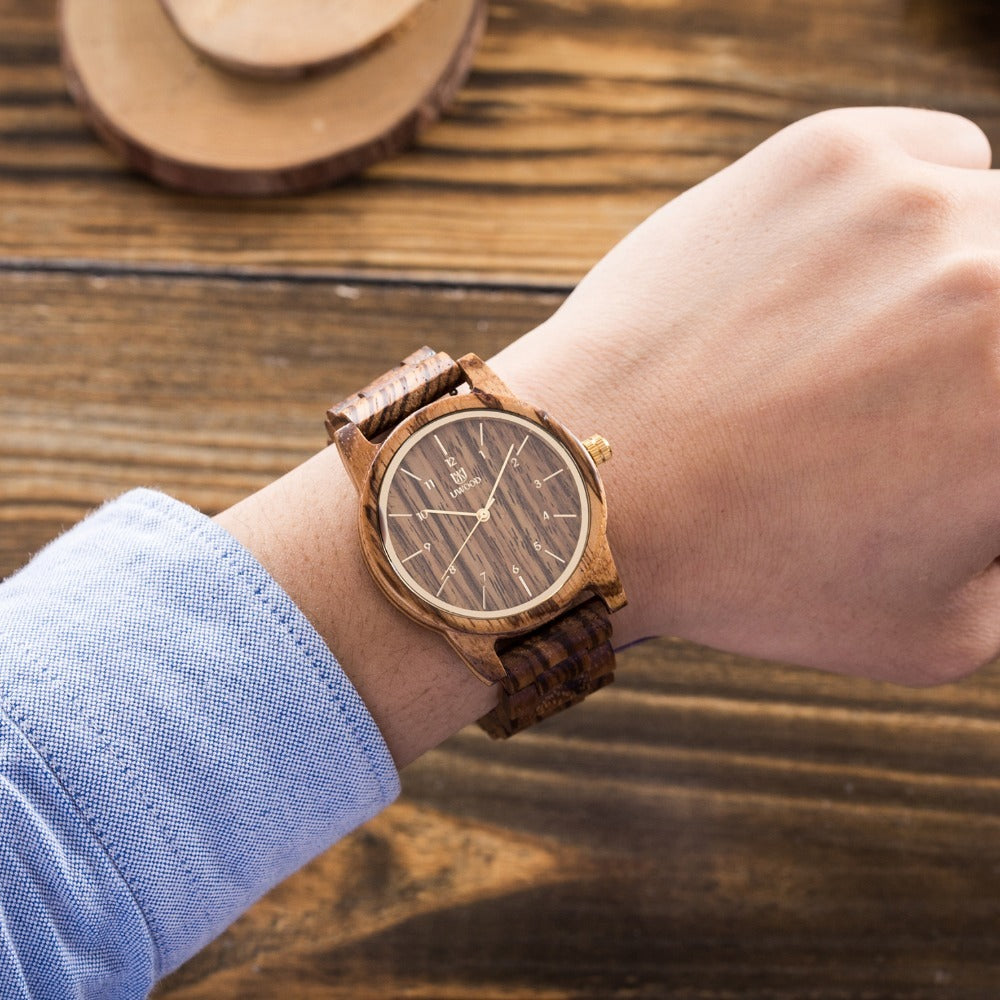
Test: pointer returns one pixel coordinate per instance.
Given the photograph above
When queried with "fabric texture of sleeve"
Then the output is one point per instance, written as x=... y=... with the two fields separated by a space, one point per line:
x=175 y=739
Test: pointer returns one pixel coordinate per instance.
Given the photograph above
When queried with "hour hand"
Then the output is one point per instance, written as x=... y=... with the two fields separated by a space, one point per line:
x=453 y=513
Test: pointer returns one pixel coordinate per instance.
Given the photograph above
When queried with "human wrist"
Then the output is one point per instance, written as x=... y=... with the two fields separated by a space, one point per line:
x=656 y=496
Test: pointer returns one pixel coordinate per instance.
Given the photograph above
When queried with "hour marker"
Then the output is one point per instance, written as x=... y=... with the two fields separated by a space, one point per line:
x=554 y=556
x=484 y=597
x=414 y=556
x=523 y=443
x=444 y=450
x=406 y=472
x=480 y=434
x=564 y=515
x=524 y=583
x=400 y=515
x=552 y=476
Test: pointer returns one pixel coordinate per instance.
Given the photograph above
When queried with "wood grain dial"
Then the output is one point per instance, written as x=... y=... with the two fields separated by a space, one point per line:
x=483 y=513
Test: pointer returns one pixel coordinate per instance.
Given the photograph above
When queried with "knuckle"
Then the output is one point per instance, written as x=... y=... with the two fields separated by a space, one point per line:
x=970 y=277
x=965 y=299
x=826 y=145
x=916 y=201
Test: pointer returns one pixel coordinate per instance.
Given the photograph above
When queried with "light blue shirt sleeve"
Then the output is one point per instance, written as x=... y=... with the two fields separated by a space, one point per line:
x=175 y=739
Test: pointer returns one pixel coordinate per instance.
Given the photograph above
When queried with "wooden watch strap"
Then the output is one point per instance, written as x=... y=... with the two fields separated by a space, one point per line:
x=552 y=668
x=417 y=380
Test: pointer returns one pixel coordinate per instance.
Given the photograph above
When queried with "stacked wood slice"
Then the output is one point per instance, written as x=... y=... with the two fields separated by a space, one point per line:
x=261 y=97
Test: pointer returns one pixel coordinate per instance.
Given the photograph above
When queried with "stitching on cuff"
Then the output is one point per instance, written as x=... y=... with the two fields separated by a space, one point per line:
x=229 y=550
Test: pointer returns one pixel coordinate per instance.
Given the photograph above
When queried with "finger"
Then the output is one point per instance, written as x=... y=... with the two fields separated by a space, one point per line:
x=934 y=136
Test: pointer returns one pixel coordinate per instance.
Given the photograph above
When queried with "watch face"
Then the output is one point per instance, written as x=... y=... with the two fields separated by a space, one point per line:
x=483 y=513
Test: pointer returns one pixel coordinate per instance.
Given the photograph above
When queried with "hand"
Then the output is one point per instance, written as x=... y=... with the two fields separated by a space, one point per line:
x=798 y=365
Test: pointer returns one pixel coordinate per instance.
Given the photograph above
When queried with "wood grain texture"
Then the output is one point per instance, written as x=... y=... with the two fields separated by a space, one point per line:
x=393 y=396
x=208 y=388
x=578 y=120
x=191 y=125
x=289 y=39
x=707 y=828
x=595 y=570
x=540 y=673
x=553 y=669
x=543 y=671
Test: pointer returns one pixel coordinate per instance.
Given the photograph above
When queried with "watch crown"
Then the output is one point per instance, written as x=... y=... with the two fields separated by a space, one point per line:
x=598 y=448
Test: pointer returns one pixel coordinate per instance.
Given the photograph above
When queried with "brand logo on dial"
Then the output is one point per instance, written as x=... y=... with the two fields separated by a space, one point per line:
x=465 y=487
x=459 y=476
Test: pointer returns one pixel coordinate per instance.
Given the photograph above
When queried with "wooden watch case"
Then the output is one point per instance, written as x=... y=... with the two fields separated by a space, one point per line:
x=476 y=638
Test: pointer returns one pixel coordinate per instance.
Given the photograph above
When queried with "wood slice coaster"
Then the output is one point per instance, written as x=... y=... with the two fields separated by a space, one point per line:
x=194 y=126
x=287 y=38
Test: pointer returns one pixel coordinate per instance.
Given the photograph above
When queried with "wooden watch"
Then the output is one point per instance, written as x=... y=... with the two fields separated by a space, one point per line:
x=483 y=518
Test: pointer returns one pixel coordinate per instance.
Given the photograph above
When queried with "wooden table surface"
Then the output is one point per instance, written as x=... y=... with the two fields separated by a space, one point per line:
x=709 y=827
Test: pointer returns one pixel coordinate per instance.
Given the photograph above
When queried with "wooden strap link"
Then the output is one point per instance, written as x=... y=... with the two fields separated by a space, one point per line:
x=553 y=668
x=418 y=380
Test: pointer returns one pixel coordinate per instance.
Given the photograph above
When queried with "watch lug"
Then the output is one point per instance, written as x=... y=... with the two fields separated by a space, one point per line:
x=480 y=376
x=613 y=594
x=607 y=583
x=480 y=655
x=357 y=452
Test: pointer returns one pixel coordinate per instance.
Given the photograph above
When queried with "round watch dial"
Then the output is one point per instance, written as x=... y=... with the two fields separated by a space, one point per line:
x=483 y=513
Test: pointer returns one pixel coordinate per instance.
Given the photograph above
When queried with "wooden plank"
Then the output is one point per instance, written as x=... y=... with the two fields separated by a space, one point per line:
x=208 y=389
x=709 y=827
x=579 y=119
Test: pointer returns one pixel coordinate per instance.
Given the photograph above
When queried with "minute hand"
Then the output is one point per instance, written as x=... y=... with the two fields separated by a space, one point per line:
x=503 y=469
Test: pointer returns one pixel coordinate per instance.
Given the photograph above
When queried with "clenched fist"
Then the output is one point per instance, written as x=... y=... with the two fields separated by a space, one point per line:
x=798 y=365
